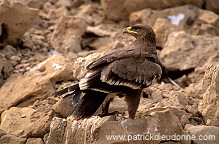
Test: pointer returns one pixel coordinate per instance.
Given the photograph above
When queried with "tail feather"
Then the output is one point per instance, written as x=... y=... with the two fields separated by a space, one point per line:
x=76 y=97
x=88 y=104
x=68 y=89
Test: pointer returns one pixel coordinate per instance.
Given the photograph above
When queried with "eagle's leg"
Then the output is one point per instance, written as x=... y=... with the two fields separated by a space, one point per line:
x=133 y=98
x=106 y=103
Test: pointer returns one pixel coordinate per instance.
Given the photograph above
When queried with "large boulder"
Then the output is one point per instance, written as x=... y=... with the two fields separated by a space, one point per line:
x=183 y=51
x=12 y=139
x=101 y=130
x=15 y=20
x=120 y=9
x=26 y=122
x=57 y=131
x=67 y=34
x=162 y=27
x=188 y=17
x=204 y=134
x=209 y=105
x=37 y=83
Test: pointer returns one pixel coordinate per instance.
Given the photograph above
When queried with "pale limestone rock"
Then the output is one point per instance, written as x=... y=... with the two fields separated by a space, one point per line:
x=183 y=51
x=63 y=107
x=95 y=129
x=207 y=134
x=188 y=18
x=67 y=34
x=12 y=139
x=15 y=20
x=26 y=122
x=162 y=29
x=37 y=83
x=57 y=131
x=209 y=106
x=79 y=65
x=120 y=9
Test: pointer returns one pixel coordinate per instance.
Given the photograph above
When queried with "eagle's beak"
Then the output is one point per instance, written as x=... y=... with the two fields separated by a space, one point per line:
x=128 y=30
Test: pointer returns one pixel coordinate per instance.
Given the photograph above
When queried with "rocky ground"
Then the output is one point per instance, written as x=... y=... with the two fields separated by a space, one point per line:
x=46 y=44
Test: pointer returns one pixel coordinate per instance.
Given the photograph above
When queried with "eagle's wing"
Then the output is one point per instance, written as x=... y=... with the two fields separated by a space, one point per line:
x=132 y=72
x=120 y=54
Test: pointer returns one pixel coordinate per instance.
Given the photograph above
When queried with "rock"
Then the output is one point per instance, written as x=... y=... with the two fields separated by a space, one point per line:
x=183 y=51
x=16 y=120
x=156 y=96
x=6 y=68
x=37 y=83
x=1 y=80
x=209 y=105
x=163 y=28
x=63 y=107
x=12 y=139
x=175 y=99
x=164 y=95
x=41 y=124
x=199 y=72
x=209 y=18
x=117 y=105
x=2 y=133
x=67 y=34
x=15 y=20
x=204 y=134
x=9 y=51
x=207 y=24
x=120 y=10
x=79 y=66
x=57 y=131
x=91 y=13
x=34 y=141
x=30 y=3
x=181 y=16
x=97 y=31
x=194 y=90
x=212 y=5
x=189 y=18
x=99 y=130
x=36 y=3
x=25 y=122
x=15 y=59
x=76 y=3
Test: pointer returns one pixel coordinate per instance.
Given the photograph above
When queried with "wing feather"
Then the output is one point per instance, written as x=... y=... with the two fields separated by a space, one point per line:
x=131 y=72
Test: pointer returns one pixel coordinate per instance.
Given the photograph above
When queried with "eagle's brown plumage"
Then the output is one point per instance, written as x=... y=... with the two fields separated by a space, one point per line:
x=125 y=71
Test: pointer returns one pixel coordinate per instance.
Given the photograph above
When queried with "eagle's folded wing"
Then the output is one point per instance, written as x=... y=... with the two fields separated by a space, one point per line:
x=117 y=55
x=132 y=72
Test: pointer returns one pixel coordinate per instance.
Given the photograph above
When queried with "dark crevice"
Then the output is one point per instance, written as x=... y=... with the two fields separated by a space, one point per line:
x=204 y=4
x=60 y=82
x=177 y=74
x=159 y=48
x=4 y=34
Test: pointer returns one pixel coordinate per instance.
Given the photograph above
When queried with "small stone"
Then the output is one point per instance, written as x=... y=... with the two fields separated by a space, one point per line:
x=156 y=96
x=15 y=58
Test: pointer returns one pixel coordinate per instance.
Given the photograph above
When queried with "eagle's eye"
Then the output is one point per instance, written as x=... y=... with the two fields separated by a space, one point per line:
x=135 y=28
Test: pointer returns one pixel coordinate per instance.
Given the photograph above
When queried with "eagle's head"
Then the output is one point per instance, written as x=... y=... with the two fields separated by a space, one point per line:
x=141 y=32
